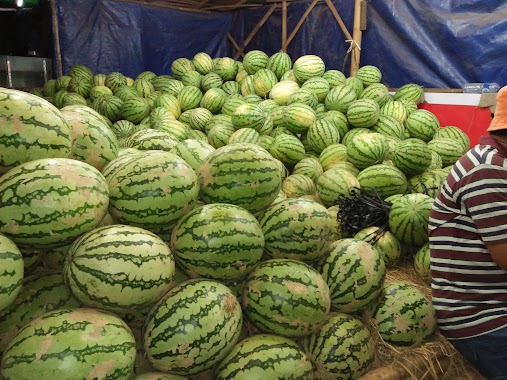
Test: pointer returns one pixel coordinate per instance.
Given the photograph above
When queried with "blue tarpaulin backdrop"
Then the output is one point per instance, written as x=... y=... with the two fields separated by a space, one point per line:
x=436 y=43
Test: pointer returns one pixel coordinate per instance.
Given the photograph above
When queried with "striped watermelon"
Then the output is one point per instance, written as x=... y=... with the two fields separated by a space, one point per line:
x=170 y=103
x=203 y=63
x=334 y=183
x=244 y=135
x=135 y=109
x=310 y=167
x=411 y=156
x=242 y=74
x=428 y=182
x=422 y=124
x=448 y=149
x=436 y=161
x=180 y=66
x=11 y=262
x=170 y=191
x=377 y=92
x=298 y=117
x=288 y=149
x=390 y=126
x=98 y=91
x=333 y=154
x=384 y=179
x=363 y=113
x=410 y=91
x=263 y=82
x=298 y=185
x=73 y=99
x=169 y=86
x=322 y=134
x=395 y=109
x=289 y=75
x=143 y=87
x=408 y=218
x=62 y=199
x=298 y=287
x=189 y=97
x=212 y=80
x=109 y=106
x=213 y=100
x=81 y=86
x=228 y=251
x=268 y=105
x=297 y=228
x=318 y=86
x=219 y=135
x=353 y=132
x=54 y=258
x=248 y=116
x=62 y=83
x=226 y=67
x=334 y=77
x=191 y=78
x=357 y=84
x=39 y=294
x=342 y=349
x=455 y=133
x=199 y=117
x=354 y=272
x=194 y=326
x=114 y=80
x=338 y=119
x=151 y=139
x=279 y=63
x=282 y=91
x=146 y=75
x=369 y=75
x=31 y=129
x=194 y=152
x=422 y=263
x=384 y=241
x=265 y=142
x=252 y=98
x=403 y=316
x=265 y=356
x=81 y=71
x=118 y=268
x=231 y=87
x=93 y=141
x=340 y=97
x=94 y=344
x=308 y=66
x=347 y=166
x=304 y=96
x=241 y=174
x=255 y=60
x=246 y=86
x=366 y=149
x=124 y=92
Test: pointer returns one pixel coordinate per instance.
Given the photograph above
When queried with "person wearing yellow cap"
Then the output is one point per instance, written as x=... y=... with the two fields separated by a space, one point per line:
x=468 y=250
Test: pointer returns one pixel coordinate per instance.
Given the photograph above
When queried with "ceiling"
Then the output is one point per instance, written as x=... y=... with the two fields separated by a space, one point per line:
x=212 y=5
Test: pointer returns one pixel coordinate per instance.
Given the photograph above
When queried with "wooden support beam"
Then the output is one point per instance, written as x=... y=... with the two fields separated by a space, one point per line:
x=255 y=30
x=338 y=19
x=298 y=25
x=284 y=26
x=357 y=38
x=235 y=44
x=56 y=31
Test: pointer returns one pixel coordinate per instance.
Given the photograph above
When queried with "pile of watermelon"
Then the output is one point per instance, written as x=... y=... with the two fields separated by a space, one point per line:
x=186 y=226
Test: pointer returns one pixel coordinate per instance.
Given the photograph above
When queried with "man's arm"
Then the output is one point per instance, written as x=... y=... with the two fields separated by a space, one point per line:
x=498 y=253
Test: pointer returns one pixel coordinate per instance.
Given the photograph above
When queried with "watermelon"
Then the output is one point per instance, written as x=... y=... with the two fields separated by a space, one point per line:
x=310 y=167
x=298 y=117
x=308 y=66
x=193 y=326
x=288 y=149
x=334 y=77
x=318 y=86
x=81 y=71
x=248 y=116
x=338 y=119
x=244 y=135
x=428 y=182
x=191 y=78
x=449 y=150
x=265 y=356
x=202 y=251
x=49 y=88
x=231 y=87
x=39 y=294
x=408 y=218
x=62 y=83
x=114 y=80
x=212 y=80
x=98 y=91
x=199 y=117
x=453 y=133
x=263 y=82
x=410 y=91
x=334 y=183
x=369 y=75
x=395 y=109
x=118 y=268
x=203 y=63
x=403 y=316
x=411 y=156
x=54 y=258
x=189 y=97
x=135 y=109
x=219 y=135
x=422 y=124
x=342 y=349
x=151 y=139
x=422 y=263
x=241 y=174
x=61 y=198
x=389 y=126
x=377 y=92
x=194 y=152
x=304 y=96
x=384 y=179
x=384 y=241
x=340 y=97
x=354 y=271
x=169 y=194
x=146 y=75
x=168 y=86
x=93 y=141
x=363 y=113
x=356 y=84
x=180 y=66
x=366 y=149
x=298 y=287
x=254 y=61
x=282 y=91
x=296 y=228
x=322 y=134
x=279 y=63
x=93 y=343
x=298 y=185
x=12 y=274
x=213 y=100
x=333 y=154
x=226 y=67
x=32 y=129
x=123 y=92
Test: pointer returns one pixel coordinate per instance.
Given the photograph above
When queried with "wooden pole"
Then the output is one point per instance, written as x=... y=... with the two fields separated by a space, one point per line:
x=56 y=31
x=298 y=26
x=284 y=26
x=338 y=19
x=356 y=38
x=235 y=44
x=255 y=30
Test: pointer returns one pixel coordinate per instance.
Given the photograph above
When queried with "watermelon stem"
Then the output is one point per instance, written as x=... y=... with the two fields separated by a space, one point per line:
x=361 y=209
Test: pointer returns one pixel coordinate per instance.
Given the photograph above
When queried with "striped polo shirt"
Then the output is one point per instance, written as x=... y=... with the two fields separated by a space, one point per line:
x=469 y=290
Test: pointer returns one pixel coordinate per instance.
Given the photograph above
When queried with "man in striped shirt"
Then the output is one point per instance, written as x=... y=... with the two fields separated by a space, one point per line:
x=468 y=245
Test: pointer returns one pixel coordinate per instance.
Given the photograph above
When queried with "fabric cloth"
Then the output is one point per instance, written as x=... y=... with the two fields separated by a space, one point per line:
x=469 y=290
x=487 y=353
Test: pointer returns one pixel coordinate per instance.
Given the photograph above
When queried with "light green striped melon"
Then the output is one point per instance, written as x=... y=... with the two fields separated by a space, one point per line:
x=231 y=105
x=308 y=66
x=338 y=119
x=384 y=179
x=219 y=135
x=119 y=268
x=231 y=87
x=225 y=67
x=384 y=241
x=12 y=273
x=180 y=66
x=369 y=75
x=309 y=166
x=32 y=129
x=334 y=77
x=288 y=149
x=282 y=91
x=390 y=126
x=255 y=60
x=151 y=139
x=217 y=241
x=340 y=97
x=203 y=63
x=205 y=315
x=332 y=154
x=194 y=152
x=248 y=116
x=279 y=63
x=322 y=134
x=428 y=182
x=410 y=91
x=298 y=117
x=296 y=228
x=378 y=92
x=422 y=263
x=169 y=102
x=253 y=358
x=342 y=349
x=241 y=174
x=93 y=343
x=366 y=149
x=319 y=86
x=363 y=113
x=356 y=84
x=449 y=150
x=189 y=97
x=191 y=78
x=422 y=124
x=454 y=133
x=411 y=156
x=213 y=100
x=62 y=199
x=297 y=286
x=335 y=183
x=263 y=82
x=354 y=271
x=298 y=185
x=171 y=191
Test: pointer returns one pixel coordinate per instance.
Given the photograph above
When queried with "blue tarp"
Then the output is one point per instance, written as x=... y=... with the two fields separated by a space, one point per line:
x=436 y=43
